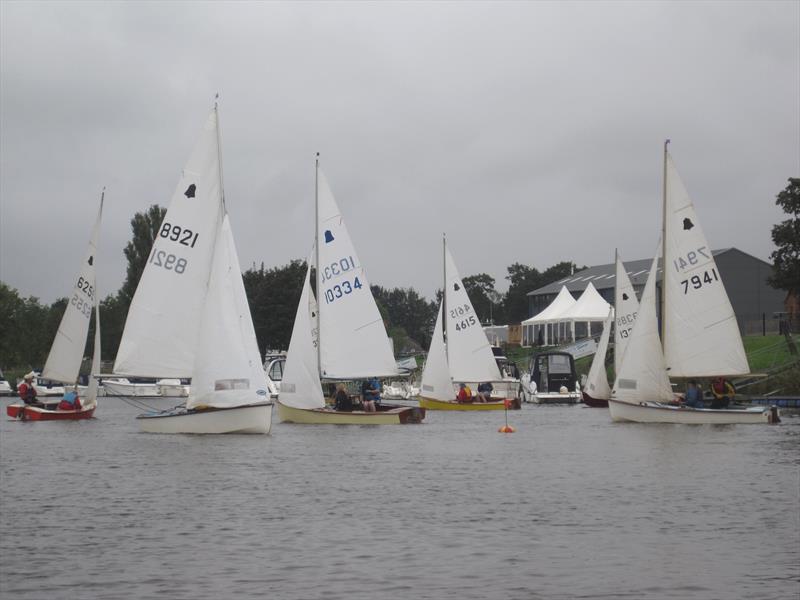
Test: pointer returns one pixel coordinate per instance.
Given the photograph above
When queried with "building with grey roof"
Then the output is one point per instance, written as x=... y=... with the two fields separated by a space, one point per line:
x=754 y=301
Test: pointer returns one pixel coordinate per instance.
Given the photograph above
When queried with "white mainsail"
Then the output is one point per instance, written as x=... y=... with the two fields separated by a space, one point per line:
x=300 y=385
x=436 y=382
x=64 y=360
x=469 y=354
x=227 y=370
x=597 y=380
x=353 y=340
x=626 y=307
x=643 y=373
x=162 y=328
x=701 y=335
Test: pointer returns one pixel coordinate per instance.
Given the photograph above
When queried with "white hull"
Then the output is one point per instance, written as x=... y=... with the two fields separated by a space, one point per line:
x=654 y=412
x=122 y=388
x=555 y=398
x=252 y=418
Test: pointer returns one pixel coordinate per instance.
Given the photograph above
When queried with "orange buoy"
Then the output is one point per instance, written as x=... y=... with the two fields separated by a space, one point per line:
x=506 y=429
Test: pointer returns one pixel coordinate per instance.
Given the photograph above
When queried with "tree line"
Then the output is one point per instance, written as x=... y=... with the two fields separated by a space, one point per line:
x=27 y=327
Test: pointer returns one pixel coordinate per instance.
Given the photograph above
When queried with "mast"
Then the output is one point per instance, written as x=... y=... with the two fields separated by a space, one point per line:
x=219 y=154
x=316 y=259
x=664 y=245
x=444 y=294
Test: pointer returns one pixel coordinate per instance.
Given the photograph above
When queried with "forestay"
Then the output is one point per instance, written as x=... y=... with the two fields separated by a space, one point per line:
x=626 y=308
x=469 y=354
x=162 y=327
x=300 y=385
x=701 y=335
x=227 y=370
x=436 y=382
x=643 y=374
x=64 y=360
x=353 y=339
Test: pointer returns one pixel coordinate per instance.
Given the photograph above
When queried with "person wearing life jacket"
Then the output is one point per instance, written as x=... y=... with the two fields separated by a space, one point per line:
x=70 y=401
x=723 y=392
x=26 y=390
x=464 y=394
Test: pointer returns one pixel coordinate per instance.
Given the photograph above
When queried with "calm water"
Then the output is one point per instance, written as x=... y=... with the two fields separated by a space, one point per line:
x=569 y=506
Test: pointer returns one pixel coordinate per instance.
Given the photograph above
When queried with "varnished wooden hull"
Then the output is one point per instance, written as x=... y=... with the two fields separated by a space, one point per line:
x=431 y=404
x=386 y=415
x=594 y=402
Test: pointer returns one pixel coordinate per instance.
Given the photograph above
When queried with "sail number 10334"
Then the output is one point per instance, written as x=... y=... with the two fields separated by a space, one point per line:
x=342 y=289
x=697 y=281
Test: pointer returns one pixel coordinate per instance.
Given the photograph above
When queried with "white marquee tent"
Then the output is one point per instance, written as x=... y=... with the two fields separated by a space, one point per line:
x=557 y=321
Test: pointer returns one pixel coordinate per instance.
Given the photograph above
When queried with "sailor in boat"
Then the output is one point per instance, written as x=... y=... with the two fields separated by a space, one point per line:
x=341 y=400
x=485 y=391
x=694 y=395
x=464 y=394
x=723 y=392
x=26 y=390
x=371 y=394
x=70 y=401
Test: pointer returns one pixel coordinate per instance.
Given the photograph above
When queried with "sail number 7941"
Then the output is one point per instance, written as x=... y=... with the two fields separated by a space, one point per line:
x=697 y=281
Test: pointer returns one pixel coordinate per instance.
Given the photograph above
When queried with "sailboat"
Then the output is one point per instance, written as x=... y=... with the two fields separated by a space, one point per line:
x=700 y=336
x=189 y=316
x=64 y=360
x=341 y=338
x=460 y=352
x=626 y=306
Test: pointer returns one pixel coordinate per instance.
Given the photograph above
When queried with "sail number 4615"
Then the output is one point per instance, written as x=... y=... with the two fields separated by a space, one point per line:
x=697 y=281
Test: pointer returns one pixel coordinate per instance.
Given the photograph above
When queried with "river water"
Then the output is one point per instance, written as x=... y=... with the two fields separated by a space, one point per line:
x=569 y=506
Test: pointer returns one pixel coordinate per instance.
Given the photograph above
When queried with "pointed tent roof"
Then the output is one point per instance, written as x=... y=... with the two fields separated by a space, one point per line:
x=560 y=304
x=589 y=307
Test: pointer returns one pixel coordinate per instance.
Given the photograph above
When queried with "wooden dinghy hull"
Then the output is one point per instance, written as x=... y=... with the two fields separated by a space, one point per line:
x=38 y=413
x=431 y=404
x=251 y=418
x=594 y=402
x=387 y=414
x=654 y=412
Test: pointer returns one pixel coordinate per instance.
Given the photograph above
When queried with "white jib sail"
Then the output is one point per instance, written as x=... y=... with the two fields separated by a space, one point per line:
x=597 y=380
x=162 y=327
x=64 y=361
x=436 y=382
x=701 y=335
x=626 y=307
x=228 y=369
x=352 y=335
x=643 y=373
x=469 y=354
x=300 y=385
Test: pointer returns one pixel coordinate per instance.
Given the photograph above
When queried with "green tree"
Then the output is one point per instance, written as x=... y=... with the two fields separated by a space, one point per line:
x=522 y=279
x=409 y=317
x=786 y=236
x=27 y=327
x=273 y=295
x=481 y=292
x=145 y=228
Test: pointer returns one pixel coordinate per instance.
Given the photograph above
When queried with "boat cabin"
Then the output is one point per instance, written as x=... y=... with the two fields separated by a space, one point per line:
x=552 y=370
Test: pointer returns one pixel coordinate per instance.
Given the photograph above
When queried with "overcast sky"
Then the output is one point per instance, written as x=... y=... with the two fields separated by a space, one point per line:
x=528 y=132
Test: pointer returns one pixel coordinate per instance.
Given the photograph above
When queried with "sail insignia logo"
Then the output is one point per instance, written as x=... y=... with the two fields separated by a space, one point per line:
x=328 y=236
x=189 y=193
